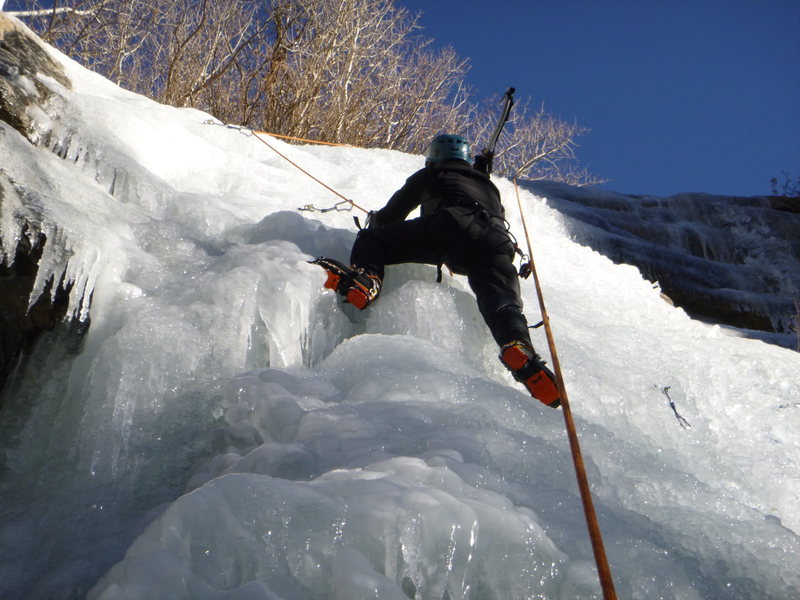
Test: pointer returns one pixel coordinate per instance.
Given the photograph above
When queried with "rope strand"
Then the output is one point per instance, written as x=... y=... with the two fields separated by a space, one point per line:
x=302 y=170
x=255 y=134
x=306 y=140
x=604 y=571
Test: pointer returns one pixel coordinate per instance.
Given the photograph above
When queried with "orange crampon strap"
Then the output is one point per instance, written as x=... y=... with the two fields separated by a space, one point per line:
x=358 y=297
x=514 y=357
x=332 y=283
x=532 y=374
x=345 y=281
x=543 y=389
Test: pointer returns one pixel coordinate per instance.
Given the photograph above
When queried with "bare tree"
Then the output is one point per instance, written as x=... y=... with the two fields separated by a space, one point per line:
x=101 y=34
x=789 y=187
x=348 y=71
x=537 y=145
x=356 y=73
x=168 y=49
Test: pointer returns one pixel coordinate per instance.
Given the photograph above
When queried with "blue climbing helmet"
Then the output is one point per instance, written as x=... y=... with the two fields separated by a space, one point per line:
x=445 y=146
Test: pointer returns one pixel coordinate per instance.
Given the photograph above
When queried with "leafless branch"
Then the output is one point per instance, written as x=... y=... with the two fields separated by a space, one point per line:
x=348 y=71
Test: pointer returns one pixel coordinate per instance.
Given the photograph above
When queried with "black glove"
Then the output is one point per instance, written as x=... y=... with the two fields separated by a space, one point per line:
x=483 y=162
x=372 y=221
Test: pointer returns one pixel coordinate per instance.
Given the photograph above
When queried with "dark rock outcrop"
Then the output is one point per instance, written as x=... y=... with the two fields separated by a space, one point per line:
x=23 y=64
x=20 y=326
x=723 y=259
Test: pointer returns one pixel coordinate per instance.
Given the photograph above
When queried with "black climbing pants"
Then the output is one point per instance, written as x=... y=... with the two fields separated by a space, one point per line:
x=469 y=242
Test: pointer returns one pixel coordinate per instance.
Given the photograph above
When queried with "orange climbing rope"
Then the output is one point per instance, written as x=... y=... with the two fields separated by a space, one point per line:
x=308 y=207
x=299 y=139
x=603 y=569
x=301 y=169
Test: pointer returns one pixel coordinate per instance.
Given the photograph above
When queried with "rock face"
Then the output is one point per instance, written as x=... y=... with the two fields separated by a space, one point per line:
x=23 y=65
x=728 y=260
x=20 y=326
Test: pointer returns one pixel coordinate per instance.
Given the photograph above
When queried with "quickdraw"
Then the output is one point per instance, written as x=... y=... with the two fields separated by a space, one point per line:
x=336 y=207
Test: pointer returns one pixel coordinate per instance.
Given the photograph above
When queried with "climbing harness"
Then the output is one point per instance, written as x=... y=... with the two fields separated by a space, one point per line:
x=603 y=569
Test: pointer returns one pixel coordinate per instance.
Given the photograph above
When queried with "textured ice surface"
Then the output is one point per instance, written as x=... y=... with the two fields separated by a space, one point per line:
x=737 y=257
x=229 y=430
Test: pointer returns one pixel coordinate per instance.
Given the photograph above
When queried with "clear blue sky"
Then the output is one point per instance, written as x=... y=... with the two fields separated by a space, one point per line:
x=680 y=96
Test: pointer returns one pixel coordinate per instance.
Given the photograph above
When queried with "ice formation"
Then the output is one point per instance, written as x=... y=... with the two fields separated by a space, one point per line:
x=227 y=429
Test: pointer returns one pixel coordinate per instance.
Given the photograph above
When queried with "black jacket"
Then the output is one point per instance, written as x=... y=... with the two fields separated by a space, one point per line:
x=440 y=185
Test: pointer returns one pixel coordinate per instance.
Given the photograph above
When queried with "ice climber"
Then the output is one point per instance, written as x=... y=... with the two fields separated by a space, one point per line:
x=462 y=225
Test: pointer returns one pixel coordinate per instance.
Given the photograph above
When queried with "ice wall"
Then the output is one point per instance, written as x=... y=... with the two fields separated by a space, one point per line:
x=729 y=260
x=227 y=429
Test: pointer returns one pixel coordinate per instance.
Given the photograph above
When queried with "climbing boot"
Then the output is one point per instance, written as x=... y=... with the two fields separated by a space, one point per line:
x=358 y=286
x=528 y=368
